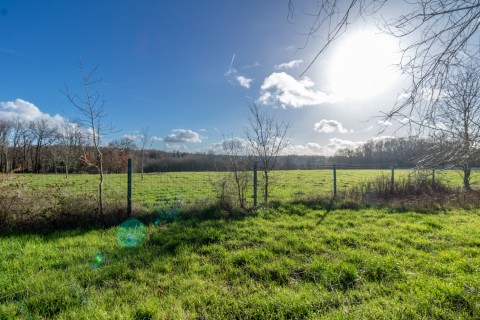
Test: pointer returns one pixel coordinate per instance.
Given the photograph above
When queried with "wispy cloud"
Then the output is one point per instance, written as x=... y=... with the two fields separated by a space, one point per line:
x=5 y=50
x=288 y=65
x=308 y=149
x=281 y=89
x=330 y=126
x=384 y=123
x=27 y=111
x=233 y=74
x=183 y=135
x=244 y=82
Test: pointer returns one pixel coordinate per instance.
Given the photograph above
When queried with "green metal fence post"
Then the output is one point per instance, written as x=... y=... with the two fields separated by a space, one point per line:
x=433 y=178
x=392 y=182
x=334 y=180
x=255 y=184
x=129 y=188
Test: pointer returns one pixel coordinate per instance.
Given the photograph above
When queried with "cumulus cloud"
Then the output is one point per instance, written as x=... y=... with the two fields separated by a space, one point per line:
x=27 y=111
x=329 y=126
x=223 y=146
x=282 y=89
x=336 y=144
x=244 y=82
x=182 y=135
x=139 y=137
x=288 y=65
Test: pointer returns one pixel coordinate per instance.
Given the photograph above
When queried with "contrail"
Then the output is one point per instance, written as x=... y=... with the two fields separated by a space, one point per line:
x=231 y=63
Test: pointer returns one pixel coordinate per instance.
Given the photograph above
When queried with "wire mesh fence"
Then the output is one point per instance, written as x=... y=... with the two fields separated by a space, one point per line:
x=165 y=189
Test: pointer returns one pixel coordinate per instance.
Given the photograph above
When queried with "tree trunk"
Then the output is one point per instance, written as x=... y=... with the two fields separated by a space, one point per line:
x=100 y=186
x=265 y=195
x=466 y=178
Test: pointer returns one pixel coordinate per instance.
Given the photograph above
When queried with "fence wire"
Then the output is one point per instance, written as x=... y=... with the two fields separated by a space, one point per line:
x=166 y=189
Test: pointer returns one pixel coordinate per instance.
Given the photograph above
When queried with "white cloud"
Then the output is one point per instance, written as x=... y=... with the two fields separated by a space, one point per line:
x=155 y=138
x=27 y=111
x=405 y=120
x=336 y=144
x=384 y=123
x=282 y=89
x=244 y=82
x=132 y=137
x=308 y=149
x=288 y=65
x=329 y=126
x=182 y=135
x=380 y=138
x=223 y=146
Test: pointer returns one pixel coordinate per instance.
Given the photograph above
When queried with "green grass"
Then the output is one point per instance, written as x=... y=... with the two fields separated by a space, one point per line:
x=291 y=262
x=161 y=189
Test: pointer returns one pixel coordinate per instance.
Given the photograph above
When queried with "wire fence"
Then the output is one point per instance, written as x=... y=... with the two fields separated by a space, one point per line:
x=166 y=189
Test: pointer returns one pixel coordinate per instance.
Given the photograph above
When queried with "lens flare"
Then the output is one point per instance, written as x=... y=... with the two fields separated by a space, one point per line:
x=98 y=261
x=131 y=233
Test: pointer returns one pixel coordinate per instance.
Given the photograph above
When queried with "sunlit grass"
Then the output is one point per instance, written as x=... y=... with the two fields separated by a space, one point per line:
x=291 y=262
x=160 y=189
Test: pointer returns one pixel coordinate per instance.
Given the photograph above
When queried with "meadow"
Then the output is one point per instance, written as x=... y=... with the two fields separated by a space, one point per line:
x=292 y=260
x=157 y=190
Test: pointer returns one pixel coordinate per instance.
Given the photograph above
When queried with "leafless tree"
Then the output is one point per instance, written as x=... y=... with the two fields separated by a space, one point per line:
x=433 y=34
x=239 y=163
x=145 y=142
x=5 y=129
x=267 y=138
x=18 y=131
x=454 y=125
x=90 y=107
x=43 y=133
x=71 y=138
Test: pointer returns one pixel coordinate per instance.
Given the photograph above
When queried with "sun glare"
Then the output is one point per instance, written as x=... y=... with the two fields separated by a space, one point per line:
x=363 y=66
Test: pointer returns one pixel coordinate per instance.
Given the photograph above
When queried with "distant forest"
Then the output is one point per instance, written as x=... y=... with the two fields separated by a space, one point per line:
x=33 y=156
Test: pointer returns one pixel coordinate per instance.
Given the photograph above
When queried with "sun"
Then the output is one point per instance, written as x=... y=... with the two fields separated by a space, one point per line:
x=363 y=65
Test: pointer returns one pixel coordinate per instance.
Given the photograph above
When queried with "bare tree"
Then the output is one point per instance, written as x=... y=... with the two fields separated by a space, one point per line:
x=90 y=106
x=454 y=126
x=5 y=129
x=71 y=139
x=239 y=166
x=43 y=133
x=18 y=131
x=267 y=138
x=145 y=142
x=434 y=33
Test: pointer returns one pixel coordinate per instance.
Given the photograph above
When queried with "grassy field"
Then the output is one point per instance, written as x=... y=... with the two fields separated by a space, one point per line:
x=291 y=262
x=159 y=189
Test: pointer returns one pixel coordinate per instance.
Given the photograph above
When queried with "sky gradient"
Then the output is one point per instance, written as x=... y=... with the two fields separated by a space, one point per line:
x=187 y=70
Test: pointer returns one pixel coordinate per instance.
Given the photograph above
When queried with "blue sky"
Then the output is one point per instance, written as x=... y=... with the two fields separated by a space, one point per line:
x=187 y=70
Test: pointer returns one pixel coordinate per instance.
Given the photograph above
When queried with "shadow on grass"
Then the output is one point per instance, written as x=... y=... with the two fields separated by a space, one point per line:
x=87 y=220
